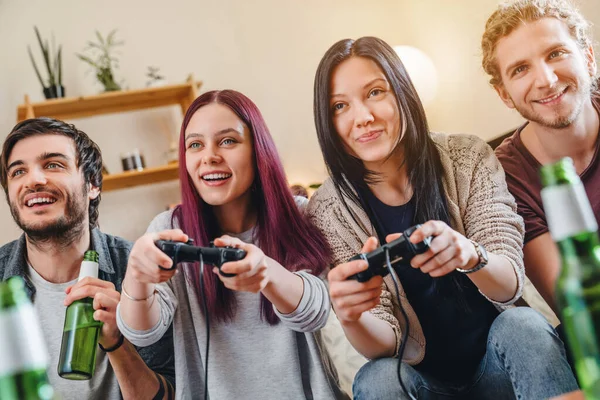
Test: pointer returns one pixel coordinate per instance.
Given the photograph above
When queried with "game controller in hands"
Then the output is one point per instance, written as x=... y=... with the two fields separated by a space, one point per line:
x=401 y=251
x=186 y=252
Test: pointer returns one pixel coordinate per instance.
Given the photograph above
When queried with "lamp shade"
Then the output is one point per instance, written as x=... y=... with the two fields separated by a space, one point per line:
x=421 y=70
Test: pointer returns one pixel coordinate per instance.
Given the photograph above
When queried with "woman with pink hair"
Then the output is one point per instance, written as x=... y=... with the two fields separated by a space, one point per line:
x=264 y=321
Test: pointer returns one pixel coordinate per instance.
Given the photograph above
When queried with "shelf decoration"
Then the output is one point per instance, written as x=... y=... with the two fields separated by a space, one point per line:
x=115 y=102
x=53 y=87
x=103 y=59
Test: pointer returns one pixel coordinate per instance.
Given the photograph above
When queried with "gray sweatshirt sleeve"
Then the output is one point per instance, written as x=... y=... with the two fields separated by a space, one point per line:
x=168 y=304
x=164 y=296
x=313 y=310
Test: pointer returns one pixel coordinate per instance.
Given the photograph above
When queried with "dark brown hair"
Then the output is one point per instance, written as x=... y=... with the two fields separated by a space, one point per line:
x=422 y=159
x=88 y=155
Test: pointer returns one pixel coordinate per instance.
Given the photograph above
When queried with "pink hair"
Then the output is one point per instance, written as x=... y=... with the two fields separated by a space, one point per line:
x=282 y=232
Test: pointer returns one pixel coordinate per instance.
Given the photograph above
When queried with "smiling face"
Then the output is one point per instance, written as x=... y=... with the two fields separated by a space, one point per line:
x=47 y=193
x=545 y=75
x=365 y=111
x=219 y=156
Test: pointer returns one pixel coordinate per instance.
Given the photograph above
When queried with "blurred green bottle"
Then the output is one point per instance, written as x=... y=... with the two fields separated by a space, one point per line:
x=23 y=353
x=80 y=333
x=573 y=227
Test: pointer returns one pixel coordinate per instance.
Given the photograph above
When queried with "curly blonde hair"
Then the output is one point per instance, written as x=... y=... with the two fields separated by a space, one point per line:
x=513 y=14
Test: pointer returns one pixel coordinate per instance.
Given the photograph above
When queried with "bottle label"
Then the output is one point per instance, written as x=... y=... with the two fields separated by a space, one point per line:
x=568 y=211
x=88 y=268
x=22 y=346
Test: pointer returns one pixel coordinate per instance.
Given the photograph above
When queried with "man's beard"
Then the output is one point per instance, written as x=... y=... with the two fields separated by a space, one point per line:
x=559 y=122
x=62 y=231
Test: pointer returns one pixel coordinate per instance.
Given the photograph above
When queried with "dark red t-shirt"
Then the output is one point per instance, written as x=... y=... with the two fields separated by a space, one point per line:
x=523 y=180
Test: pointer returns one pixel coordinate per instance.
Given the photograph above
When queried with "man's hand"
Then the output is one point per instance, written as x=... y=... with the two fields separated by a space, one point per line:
x=105 y=303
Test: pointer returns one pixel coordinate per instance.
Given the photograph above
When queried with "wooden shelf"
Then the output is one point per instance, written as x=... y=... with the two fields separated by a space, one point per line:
x=116 y=102
x=111 y=102
x=134 y=178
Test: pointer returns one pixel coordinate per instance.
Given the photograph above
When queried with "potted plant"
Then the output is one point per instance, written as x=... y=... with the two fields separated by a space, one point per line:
x=103 y=60
x=53 y=86
x=155 y=78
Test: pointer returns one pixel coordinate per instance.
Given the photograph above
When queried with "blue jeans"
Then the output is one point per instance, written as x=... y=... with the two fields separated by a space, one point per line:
x=524 y=359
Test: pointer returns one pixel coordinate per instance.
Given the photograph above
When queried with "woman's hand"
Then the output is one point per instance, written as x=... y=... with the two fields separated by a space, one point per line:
x=145 y=258
x=139 y=309
x=351 y=298
x=251 y=273
x=448 y=249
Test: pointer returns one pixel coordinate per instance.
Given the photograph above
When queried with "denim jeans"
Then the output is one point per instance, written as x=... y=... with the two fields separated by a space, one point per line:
x=524 y=359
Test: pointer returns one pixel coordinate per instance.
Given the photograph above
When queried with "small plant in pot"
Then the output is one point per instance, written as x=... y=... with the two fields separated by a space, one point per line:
x=103 y=60
x=53 y=60
x=155 y=78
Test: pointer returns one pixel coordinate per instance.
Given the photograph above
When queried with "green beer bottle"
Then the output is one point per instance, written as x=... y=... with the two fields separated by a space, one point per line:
x=80 y=333
x=23 y=354
x=573 y=227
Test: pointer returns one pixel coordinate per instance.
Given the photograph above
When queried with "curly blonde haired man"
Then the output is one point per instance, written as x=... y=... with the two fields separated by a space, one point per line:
x=540 y=57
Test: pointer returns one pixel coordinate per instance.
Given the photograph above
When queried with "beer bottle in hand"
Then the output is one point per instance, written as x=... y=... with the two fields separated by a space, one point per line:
x=80 y=333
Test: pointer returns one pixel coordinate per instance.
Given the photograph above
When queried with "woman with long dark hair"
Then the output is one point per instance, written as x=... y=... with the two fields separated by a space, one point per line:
x=453 y=325
x=264 y=321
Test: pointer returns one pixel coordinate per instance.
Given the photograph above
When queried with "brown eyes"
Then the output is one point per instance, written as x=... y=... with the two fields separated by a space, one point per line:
x=337 y=107
x=375 y=92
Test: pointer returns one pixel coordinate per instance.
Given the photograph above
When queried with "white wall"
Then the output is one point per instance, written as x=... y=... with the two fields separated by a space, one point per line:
x=267 y=49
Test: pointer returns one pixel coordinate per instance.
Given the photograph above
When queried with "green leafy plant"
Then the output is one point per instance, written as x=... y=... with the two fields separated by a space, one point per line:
x=153 y=75
x=52 y=60
x=103 y=60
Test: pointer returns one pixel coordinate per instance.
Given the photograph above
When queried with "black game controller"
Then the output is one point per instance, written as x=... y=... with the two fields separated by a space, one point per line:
x=401 y=251
x=186 y=252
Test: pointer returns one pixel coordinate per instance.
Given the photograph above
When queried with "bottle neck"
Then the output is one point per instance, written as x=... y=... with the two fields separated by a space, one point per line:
x=90 y=255
x=22 y=343
x=88 y=268
x=568 y=211
x=12 y=293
